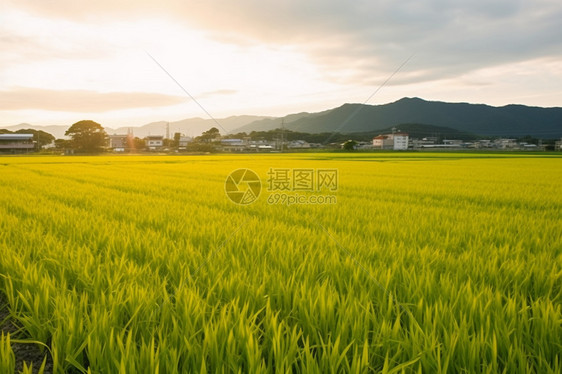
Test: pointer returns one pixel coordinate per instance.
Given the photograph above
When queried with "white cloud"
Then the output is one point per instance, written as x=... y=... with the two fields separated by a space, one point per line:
x=297 y=55
x=81 y=100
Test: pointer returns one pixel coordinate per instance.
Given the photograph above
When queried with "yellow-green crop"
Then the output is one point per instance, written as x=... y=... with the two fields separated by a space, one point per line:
x=426 y=263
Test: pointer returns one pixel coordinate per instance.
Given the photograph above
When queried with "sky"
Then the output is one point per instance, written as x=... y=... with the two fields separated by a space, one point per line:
x=128 y=63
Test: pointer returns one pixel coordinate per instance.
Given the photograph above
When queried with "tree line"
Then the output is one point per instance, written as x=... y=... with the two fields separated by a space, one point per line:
x=90 y=137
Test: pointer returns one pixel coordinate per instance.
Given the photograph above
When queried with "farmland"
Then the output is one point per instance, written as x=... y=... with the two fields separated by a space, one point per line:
x=427 y=262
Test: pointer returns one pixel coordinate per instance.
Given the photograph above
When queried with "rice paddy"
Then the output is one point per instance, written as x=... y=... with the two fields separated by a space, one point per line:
x=426 y=263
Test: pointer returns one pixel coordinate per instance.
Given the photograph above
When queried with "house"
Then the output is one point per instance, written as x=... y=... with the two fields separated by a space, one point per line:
x=120 y=143
x=154 y=142
x=505 y=143
x=400 y=141
x=234 y=145
x=16 y=143
x=441 y=146
x=383 y=142
x=483 y=143
x=364 y=145
x=420 y=143
x=260 y=145
x=396 y=141
x=447 y=144
x=183 y=142
x=296 y=144
x=558 y=145
x=455 y=142
x=529 y=147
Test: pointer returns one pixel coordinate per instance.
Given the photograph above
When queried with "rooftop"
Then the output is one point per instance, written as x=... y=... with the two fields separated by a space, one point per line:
x=16 y=136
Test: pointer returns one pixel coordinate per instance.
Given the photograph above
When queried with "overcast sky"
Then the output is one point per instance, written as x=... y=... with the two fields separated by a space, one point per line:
x=62 y=61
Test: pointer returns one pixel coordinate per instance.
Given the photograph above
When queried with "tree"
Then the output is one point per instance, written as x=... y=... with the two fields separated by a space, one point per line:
x=62 y=144
x=200 y=147
x=210 y=135
x=139 y=144
x=176 y=142
x=41 y=137
x=349 y=145
x=87 y=136
x=529 y=139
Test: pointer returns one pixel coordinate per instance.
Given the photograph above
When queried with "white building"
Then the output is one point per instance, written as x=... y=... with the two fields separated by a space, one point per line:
x=294 y=144
x=397 y=141
x=506 y=143
x=400 y=141
x=154 y=142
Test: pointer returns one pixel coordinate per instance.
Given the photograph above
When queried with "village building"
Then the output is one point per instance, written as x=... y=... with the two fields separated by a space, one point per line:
x=298 y=144
x=397 y=141
x=120 y=143
x=16 y=143
x=154 y=142
x=234 y=145
x=183 y=141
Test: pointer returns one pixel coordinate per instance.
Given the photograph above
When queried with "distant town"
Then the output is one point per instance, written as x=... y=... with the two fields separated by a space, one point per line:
x=279 y=140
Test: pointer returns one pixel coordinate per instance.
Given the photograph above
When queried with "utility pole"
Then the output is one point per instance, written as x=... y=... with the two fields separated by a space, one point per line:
x=282 y=133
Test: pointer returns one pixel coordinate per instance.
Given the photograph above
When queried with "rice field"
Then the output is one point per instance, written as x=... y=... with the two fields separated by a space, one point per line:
x=428 y=263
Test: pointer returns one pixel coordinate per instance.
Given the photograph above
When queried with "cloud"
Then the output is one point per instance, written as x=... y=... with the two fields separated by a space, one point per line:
x=21 y=98
x=28 y=39
x=370 y=38
x=217 y=93
x=345 y=45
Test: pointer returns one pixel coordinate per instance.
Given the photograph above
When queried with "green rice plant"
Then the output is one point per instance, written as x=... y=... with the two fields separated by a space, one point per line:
x=427 y=263
x=7 y=358
x=29 y=369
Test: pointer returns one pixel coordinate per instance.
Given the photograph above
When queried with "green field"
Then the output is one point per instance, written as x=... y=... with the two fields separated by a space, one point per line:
x=427 y=263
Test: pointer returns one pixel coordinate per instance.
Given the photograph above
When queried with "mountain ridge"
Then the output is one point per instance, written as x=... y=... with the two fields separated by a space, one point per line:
x=511 y=120
x=189 y=126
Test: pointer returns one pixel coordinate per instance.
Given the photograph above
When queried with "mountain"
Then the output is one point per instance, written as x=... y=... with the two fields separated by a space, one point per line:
x=56 y=130
x=191 y=126
x=267 y=124
x=467 y=119
x=485 y=120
